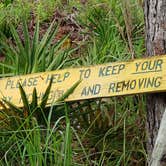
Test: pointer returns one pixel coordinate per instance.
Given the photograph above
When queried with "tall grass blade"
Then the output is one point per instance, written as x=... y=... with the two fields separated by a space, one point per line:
x=67 y=151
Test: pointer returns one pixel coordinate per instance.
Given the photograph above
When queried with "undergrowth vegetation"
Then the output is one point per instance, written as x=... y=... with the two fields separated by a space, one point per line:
x=57 y=34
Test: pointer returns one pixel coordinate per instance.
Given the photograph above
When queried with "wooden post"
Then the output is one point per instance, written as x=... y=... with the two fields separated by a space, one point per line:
x=155 y=30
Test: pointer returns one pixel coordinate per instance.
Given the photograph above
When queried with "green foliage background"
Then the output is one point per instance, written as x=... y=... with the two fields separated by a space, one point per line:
x=107 y=131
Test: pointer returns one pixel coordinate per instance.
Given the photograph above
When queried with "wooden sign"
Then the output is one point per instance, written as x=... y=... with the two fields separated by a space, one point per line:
x=111 y=79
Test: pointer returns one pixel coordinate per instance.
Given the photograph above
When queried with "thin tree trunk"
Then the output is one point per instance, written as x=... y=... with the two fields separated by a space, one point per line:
x=155 y=30
x=159 y=152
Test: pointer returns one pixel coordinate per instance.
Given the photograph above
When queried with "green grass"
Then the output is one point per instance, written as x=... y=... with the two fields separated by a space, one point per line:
x=40 y=145
x=108 y=131
x=101 y=142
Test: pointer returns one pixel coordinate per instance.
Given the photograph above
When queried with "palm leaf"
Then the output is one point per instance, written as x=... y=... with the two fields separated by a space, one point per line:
x=40 y=47
x=13 y=107
x=34 y=46
x=26 y=106
x=69 y=92
x=26 y=45
x=34 y=99
x=18 y=41
x=46 y=95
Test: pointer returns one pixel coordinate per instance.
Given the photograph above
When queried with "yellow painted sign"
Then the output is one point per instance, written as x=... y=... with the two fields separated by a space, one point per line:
x=111 y=79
